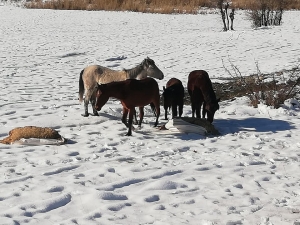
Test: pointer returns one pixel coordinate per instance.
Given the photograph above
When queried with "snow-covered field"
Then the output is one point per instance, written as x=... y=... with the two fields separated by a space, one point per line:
x=250 y=174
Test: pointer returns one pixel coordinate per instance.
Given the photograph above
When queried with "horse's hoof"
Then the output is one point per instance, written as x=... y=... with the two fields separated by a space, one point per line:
x=95 y=114
x=85 y=115
x=128 y=134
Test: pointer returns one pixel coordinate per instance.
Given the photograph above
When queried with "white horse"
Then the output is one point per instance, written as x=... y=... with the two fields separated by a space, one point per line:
x=93 y=75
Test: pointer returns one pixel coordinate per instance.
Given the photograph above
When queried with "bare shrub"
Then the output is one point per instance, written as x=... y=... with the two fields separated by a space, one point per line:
x=248 y=4
x=270 y=89
x=265 y=12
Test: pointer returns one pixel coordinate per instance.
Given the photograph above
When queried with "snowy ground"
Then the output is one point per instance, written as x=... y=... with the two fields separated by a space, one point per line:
x=247 y=175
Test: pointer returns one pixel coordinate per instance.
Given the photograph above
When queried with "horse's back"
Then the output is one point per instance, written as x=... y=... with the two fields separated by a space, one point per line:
x=198 y=79
x=145 y=85
x=141 y=92
x=102 y=75
x=91 y=75
x=173 y=81
x=94 y=69
x=174 y=87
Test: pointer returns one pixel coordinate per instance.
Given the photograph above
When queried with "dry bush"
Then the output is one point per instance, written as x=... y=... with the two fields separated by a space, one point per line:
x=270 y=89
x=264 y=12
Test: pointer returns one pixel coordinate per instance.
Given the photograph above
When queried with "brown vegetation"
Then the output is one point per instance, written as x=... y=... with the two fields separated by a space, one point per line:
x=270 y=89
x=274 y=4
x=151 y=6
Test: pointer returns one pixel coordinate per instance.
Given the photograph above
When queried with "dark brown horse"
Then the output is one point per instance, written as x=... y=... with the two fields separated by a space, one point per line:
x=132 y=93
x=201 y=91
x=173 y=96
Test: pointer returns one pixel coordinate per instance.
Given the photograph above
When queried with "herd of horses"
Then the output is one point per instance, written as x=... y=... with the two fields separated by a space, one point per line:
x=136 y=88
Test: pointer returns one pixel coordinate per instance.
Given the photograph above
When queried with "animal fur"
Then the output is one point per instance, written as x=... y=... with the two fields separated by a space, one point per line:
x=30 y=132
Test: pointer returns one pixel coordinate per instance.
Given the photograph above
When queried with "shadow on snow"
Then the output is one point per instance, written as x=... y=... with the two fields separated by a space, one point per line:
x=251 y=124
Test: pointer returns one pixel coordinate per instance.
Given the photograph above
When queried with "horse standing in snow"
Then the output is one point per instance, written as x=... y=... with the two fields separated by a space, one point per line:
x=132 y=93
x=93 y=75
x=173 y=96
x=201 y=91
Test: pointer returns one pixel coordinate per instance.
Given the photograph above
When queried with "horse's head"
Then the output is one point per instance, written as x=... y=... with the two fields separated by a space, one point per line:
x=211 y=108
x=101 y=97
x=151 y=69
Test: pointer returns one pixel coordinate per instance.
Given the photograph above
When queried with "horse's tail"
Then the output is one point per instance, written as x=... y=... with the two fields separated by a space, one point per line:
x=153 y=108
x=81 y=86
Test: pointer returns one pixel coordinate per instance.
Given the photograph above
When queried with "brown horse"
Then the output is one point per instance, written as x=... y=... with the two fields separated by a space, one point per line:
x=173 y=96
x=132 y=93
x=95 y=74
x=201 y=91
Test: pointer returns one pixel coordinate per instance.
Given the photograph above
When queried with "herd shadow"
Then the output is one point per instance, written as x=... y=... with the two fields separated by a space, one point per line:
x=227 y=126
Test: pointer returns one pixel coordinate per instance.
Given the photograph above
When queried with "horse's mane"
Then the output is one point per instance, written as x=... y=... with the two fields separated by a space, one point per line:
x=133 y=72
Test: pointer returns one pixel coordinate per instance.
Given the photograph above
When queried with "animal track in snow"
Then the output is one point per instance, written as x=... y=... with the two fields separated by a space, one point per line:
x=47 y=205
x=56 y=189
x=118 y=207
x=60 y=170
x=153 y=198
x=112 y=197
x=19 y=179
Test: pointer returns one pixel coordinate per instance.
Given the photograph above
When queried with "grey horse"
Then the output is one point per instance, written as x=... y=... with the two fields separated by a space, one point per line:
x=93 y=75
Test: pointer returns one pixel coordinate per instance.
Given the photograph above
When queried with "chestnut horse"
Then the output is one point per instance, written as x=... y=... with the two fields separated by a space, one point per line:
x=201 y=91
x=173 y=96
x=132 y=93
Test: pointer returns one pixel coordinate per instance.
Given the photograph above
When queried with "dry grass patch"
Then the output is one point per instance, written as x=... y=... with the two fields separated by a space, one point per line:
x=255 y=4
x=153 y=6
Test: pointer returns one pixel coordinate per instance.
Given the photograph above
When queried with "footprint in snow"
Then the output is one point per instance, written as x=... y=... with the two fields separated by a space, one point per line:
x=153 y=198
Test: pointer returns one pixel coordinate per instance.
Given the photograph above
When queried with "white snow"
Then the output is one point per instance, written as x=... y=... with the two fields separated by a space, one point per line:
x=247 y=175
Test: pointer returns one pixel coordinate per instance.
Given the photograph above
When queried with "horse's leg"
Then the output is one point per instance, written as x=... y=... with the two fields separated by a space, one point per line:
x=166 y=112
x=174 y=109
x=131 y=112
x=124 y=117
x=141 y=115
x=180 y=107
x=86 y=110
x=198 y=109
x=93 y=101
x=193 y=103
x=157 y=108
x=135 y=119
x=204 y=110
